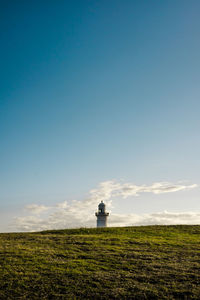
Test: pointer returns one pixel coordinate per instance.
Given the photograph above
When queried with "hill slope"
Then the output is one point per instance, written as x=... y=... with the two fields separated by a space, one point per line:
x=150 y=262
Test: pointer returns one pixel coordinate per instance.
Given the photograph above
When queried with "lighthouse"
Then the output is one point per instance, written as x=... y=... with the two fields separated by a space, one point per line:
x=102 y=215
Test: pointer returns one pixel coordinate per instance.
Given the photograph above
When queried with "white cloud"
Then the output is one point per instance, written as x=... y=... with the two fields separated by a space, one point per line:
x=81 y=213
x=108 y=189
x=36 y=209
x=159 y=218
x=30 y=223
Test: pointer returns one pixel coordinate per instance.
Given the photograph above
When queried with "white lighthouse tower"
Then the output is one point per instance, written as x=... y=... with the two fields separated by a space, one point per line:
x=102 y=215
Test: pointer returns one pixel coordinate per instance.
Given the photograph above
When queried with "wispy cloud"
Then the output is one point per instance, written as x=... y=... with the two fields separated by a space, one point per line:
x=159 y=218
x=36 y=209
x=81 y=213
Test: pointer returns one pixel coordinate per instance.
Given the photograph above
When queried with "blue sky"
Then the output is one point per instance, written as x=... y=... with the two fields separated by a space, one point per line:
x=93 y=91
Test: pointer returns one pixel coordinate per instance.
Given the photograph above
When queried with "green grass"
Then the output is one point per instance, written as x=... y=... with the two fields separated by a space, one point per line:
x=148 y=262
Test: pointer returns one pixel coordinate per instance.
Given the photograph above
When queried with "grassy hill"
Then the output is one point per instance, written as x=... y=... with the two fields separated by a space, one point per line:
x=149 y=262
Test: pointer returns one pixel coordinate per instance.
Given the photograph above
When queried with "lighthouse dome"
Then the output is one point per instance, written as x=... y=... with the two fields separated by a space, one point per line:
x=102 y=207
x=101 y=204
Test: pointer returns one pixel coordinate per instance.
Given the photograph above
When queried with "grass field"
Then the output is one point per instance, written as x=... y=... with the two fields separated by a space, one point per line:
x=149 y=262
